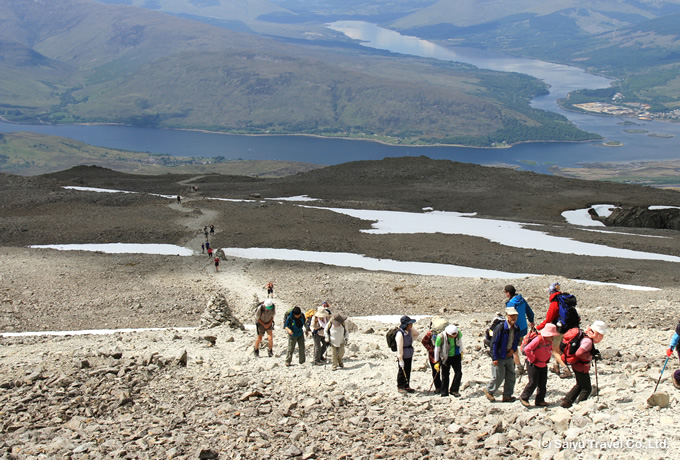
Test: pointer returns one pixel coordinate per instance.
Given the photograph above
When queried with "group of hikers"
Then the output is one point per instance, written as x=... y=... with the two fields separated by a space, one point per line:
x=326 y=329
x=209 y=231
x=509 y=336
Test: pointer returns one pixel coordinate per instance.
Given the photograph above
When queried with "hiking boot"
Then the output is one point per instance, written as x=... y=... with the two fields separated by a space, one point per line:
x=401 y=390
x=455 y=394
x=409 y=390
x=566 y=404
x=509 y=399
x=525 y=403
x=288 y=364
x=271 y=353
x=489 y=396
x=542 y=404
x=257 y=352
x=334 y=368
x=566 y=374
x=341 y=365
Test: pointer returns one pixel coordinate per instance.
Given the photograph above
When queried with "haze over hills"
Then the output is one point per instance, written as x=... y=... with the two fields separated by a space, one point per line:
x=92 y=62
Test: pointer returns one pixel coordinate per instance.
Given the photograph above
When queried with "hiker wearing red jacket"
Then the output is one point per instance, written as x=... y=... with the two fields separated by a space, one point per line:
x=552 y=316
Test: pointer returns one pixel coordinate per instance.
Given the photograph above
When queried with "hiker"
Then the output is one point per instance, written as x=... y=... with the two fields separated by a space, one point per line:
x=552 y=316
x=674 y=346
x=212 y=229
x=179 y=199
x=538 y=352
x=217 y=264
x=503 y=348
x=264 y=322
x=448 y=353
x=205 y=232
x=580 y=360
x=207 y=244
x=318 y=326
x=337 y=336
x=404 y=338
x=295 y=327
x=428 y=342
x=270 y=289
x=210 y=253
x=202 y=248
x=525 y=313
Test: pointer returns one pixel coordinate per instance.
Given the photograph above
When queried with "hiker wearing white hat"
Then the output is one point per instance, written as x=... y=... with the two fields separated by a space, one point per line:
x=503 y=347
x=318 y=325
x=580 y=351
x=264 y=322
x=538 y=352
x=448 y=352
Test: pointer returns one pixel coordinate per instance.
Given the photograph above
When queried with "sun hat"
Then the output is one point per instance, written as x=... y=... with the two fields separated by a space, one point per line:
x=511 y=311
x=338 y=319
x=451 y=329
x=599 y=326
x=269 y=304
x=405 y=321
x=549 y=330
x=321 y=312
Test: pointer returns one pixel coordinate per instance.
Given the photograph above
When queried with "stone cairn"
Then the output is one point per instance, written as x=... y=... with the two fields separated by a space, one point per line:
x=218 y=312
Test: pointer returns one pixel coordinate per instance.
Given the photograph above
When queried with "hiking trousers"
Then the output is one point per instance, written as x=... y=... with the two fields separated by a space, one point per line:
x=404 y=375
x=319 y=346
x=538 y=378
x=336 y=355
x=581 y=390
x=446 y=366
x=503 y=372
x=300 y=342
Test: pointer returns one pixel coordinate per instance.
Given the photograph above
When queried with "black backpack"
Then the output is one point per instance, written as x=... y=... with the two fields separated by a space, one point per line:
x=568 y=317
x=488 y=333
x=391 y=338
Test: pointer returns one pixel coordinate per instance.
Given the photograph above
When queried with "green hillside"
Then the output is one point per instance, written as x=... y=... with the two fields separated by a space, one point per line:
x=78 y=61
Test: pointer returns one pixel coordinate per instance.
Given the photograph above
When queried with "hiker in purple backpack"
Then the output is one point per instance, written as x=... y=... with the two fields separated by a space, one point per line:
x=674 y=346
x=552 y=316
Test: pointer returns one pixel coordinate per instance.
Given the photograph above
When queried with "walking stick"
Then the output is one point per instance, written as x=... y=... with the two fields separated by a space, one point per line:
x=663 y=369
x=433 y=379
x=597 y=384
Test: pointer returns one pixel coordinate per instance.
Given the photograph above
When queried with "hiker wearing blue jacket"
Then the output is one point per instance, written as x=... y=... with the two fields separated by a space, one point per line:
x=524 y=313
x=503 y=348
x=675 y=340
x=295 y=326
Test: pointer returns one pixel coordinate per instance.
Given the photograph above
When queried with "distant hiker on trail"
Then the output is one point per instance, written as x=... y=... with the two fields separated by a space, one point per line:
x=205 y=232
x=524 y=312
x=217 y=264
x=212 y=229
x=337 y=336
x=207 y=244
x=448 y=353
x=264 y=322
x=270 y=289
x=552 y=316
x=579 y=351
x=179 y=199
x=202 y=248
x=538 y=351
x=674 y=346
x=318 y=326
x=210 y=253
x=295 y=327
x=503 y=347
x=404 y=338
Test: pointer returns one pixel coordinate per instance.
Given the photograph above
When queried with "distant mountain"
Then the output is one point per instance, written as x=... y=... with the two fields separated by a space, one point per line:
x=84 y=61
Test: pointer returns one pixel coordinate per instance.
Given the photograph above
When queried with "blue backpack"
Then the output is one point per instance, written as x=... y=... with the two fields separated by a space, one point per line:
x=568 y=316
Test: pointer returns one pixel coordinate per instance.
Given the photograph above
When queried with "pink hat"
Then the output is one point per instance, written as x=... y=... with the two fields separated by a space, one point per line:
x=549 y=330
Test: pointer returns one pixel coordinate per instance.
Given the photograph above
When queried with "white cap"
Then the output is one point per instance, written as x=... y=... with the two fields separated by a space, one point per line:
x=451 y=329
x=599 y=326
x=511 y=311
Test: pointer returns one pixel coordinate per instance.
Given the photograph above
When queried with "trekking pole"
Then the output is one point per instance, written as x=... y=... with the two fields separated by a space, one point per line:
x=433 y=379
x=662 y=369
x=597 y=384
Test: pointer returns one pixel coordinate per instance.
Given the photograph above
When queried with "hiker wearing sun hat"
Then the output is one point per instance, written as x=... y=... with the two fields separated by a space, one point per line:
x=448 y=354
x=538 y=352
x=405 y=336
x=579 y=351
x=264 y=321
x=337 y=335
x=317 y=325
x=503 y=347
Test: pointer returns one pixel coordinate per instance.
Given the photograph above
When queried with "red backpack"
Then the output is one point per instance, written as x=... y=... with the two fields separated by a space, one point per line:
x=570 y=344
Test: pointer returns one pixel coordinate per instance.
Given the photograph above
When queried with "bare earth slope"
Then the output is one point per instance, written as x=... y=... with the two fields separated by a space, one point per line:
x=128 y=395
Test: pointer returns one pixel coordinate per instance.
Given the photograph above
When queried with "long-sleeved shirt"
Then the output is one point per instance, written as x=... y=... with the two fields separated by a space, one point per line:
x=539 y=351
x=553 y=311
x=524 y=310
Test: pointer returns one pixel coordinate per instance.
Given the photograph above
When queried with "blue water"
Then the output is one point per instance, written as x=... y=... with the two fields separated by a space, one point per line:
x=532 y=156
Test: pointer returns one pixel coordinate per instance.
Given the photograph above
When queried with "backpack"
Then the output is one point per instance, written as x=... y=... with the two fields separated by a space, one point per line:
x=568 y=317
x=309 y=314
x=391 y=337
x=570 y=344
x=286 y=315
x=438 y=324
x=533 y=333
x=488 y=333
